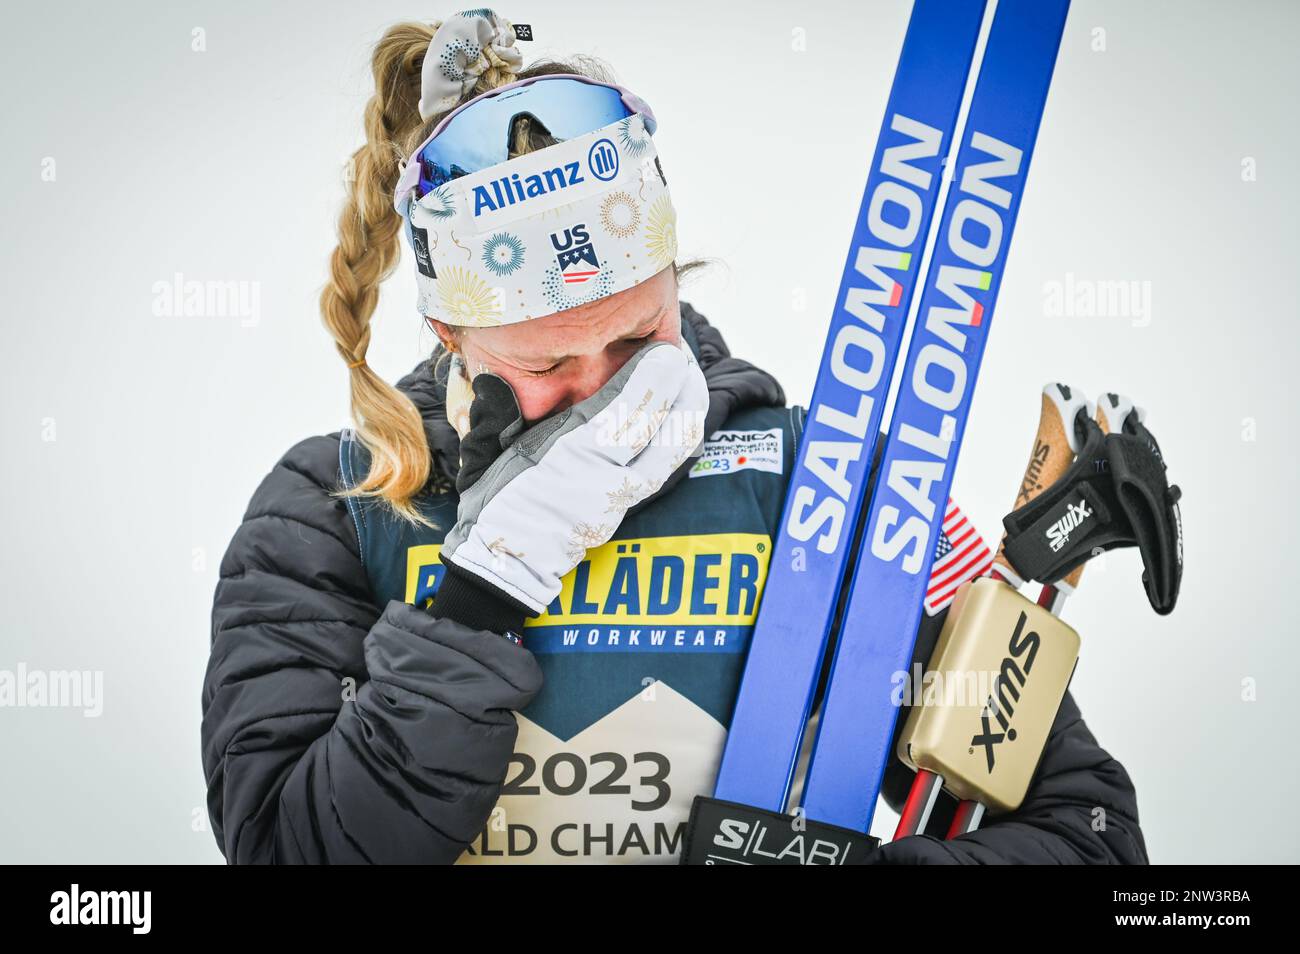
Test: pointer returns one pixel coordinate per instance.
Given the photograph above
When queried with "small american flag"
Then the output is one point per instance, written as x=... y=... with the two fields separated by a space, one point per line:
x=960 y=555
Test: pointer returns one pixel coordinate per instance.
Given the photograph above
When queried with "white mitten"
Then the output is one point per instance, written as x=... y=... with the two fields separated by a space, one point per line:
x=563 y=486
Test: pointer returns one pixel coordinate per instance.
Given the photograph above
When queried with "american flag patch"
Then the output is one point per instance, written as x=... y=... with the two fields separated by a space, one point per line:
x=960 y=555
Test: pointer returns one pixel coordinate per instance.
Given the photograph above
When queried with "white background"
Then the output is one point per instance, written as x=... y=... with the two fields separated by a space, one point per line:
x=226 y=165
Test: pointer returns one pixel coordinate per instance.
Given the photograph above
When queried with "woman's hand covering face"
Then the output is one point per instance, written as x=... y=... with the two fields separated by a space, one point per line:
x=534 y=500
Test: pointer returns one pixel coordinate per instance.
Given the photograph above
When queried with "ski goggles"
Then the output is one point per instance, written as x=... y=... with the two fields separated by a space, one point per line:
x=476 y=135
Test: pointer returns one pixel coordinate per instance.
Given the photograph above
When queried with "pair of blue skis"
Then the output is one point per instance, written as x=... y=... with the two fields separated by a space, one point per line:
x=828 y=488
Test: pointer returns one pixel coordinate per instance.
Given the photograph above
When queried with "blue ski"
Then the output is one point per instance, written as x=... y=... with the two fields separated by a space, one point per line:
x=826 y=491
x=906 y=511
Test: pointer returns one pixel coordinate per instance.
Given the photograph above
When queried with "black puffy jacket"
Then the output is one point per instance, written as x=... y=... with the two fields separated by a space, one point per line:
x=342 y=728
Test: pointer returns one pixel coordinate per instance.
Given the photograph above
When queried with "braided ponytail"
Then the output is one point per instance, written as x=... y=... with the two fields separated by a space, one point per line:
x=369 y=249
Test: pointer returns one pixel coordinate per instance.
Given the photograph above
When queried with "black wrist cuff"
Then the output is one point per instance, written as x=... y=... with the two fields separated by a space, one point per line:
x=465 y=599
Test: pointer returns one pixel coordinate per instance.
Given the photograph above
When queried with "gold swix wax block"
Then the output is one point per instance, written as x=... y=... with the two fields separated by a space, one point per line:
x=991 y=692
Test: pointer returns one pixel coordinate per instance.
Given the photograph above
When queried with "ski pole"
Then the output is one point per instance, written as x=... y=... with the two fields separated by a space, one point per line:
x=989 y=759
x=1110 y=416
x=932 y=739
x=1055 y=446
x=1056 y=443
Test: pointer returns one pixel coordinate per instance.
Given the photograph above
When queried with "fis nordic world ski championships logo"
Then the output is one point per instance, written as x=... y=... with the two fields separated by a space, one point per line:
x=514 y=189
x=576 y=255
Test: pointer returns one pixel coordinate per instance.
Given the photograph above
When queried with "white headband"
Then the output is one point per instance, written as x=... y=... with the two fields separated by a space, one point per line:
x=546 y=231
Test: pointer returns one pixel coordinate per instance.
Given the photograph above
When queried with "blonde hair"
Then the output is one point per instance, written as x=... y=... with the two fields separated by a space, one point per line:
x=369 y=250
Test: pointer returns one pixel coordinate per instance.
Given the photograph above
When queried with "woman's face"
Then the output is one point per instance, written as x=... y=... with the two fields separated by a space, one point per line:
x=555 y=362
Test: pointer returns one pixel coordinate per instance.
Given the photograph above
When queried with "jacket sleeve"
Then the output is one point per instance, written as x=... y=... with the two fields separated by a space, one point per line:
x=333 y=733
x=1080 y=809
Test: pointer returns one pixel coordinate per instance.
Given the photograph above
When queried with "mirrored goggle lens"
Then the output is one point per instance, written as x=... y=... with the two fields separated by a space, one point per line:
x=478 y=137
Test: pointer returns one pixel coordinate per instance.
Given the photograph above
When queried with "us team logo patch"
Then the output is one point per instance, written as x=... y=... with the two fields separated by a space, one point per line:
x=726 y=452
x=576 y=255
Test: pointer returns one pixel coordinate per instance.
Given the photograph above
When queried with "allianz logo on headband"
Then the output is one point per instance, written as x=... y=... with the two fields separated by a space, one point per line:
x=543 y=180
x=508 y=191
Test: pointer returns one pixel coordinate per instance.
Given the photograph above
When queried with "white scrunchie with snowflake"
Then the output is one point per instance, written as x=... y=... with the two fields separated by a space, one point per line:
x=461 y=50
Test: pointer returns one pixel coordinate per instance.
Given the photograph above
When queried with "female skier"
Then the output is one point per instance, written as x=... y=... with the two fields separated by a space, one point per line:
x=504 y=618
